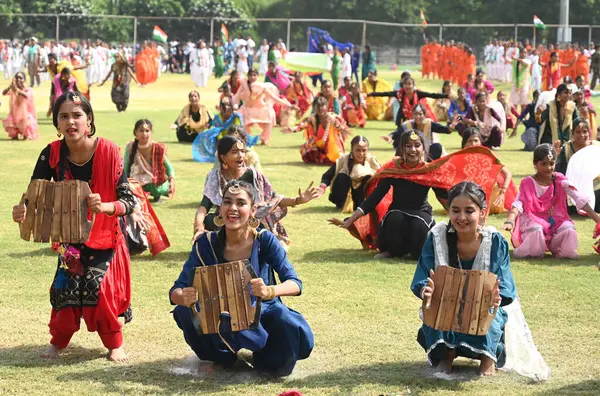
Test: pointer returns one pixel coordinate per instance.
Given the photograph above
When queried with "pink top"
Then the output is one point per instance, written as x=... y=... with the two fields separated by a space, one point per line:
x=537 y=204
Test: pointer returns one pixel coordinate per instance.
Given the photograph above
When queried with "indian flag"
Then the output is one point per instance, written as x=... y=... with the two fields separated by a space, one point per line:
x=159 y=35
x=224 y=33
x=538 y=23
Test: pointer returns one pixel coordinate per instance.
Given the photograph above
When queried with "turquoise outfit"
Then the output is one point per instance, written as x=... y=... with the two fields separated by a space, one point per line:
x=283 y=336
x=492 y=256
x=204 y=147
x=367 y=64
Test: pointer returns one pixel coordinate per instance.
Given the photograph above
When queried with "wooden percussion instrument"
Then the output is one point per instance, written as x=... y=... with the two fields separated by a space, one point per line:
x=226 y=288
x=462 y=301
x=56 y=211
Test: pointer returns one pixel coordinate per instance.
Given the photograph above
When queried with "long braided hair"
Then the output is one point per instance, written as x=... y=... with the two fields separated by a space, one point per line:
x=134 y=146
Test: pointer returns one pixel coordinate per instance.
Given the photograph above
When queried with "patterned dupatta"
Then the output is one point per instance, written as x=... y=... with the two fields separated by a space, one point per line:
x=477 y=164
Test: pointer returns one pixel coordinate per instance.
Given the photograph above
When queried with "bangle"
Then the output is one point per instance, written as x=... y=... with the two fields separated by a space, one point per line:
x=511 y=222
x=271 y=293
x=295 y=202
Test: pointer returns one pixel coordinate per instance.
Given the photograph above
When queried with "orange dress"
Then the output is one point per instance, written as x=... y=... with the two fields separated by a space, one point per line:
x=582 y=67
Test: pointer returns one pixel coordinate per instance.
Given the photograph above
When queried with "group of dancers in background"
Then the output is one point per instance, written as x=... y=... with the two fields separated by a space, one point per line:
x=240 y=214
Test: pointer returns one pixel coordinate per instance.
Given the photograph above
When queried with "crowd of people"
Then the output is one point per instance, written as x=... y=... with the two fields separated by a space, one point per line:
x=240 y=215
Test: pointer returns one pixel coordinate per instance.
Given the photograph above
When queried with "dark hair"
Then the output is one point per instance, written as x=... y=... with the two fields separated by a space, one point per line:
x=85 y=106
x=193 y=91
x=542 y=152
x=358 y=139
x=445 y=84
x=562 y=88
x=321 y=101
x=404 y=75
x=271 y=63
x=409 y=78
x=249 y=188
x=419 y=107
x=580 y=121
x=239 y=132
x=467 y=133
x=87 y=109
x=21 y=73
x=225 y=145
x=134 y=145
x=536 y=93
x=481 y=94
x=326 y=82
x=400 y=139
x=65 y=71
x=461 y=89
x=476 y=194
x=52 y=55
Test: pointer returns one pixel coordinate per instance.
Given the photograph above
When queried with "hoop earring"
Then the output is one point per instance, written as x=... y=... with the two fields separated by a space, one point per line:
x=58 y=133
x=253 y=223
x=219 y=221
x=89 y=128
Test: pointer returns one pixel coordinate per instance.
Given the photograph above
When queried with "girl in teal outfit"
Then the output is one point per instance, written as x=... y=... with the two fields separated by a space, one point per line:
x=368 y=62
x=146 y=162
x=466 y=244
x=335 y=68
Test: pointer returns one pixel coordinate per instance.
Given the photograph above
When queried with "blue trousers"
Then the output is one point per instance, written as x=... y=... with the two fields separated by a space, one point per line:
x=282 y=338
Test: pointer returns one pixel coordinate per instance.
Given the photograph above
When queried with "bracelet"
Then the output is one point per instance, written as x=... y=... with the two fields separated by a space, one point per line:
x=295 y=202
x=422 y=291
x=511 y=222
x=271 y=293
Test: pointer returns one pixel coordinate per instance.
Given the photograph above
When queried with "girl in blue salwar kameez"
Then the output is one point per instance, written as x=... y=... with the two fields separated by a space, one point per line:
x=283 y=336
x=465 y=244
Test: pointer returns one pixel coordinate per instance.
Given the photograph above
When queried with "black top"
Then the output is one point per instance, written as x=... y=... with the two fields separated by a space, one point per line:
x=471 y=115
x=328 y=176
x=530 y=122
x=407 y=196
x=435 y=127
x=84 y=173
x=400 y=118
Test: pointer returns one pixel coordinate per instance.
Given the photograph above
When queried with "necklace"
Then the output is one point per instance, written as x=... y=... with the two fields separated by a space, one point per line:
x=145 y=146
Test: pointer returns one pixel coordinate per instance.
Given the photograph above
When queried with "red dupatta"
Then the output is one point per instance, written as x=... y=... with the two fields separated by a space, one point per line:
x=159 y=172
x=407 y=102
x=477 y=164
x=107 y=168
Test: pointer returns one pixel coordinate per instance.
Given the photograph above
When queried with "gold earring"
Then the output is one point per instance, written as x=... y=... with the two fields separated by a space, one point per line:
x=58 y=133
x=219 y=221
x=253 y=222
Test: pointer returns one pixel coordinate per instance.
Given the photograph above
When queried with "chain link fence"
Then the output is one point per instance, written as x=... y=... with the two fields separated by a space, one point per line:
x=393 y=43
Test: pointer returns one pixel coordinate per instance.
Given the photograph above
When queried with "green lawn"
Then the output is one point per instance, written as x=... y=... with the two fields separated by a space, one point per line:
x=361 y=310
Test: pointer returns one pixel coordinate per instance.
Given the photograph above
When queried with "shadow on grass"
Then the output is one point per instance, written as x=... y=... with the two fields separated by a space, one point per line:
x=393 y=374
x=45 y=251
x=590 y=260
x=349 y=256
x=332 y=210
x=29 y=356
x=590 y=387
x=179 y=257
x=185 y=205
x=172 y=376
x=177 y=376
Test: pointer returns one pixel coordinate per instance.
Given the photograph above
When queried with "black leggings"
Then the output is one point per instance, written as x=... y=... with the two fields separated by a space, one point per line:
x=404 y=233
x=340 y=187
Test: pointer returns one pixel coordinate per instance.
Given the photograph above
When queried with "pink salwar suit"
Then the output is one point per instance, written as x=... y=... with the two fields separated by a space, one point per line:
x=257 y=106
x=543 y=223
x=22 y=119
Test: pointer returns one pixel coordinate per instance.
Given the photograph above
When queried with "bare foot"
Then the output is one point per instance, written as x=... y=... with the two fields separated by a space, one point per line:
x=487 y=366
x=53 y=352
x=383 y=255
x=117 y=355
x=445 y=366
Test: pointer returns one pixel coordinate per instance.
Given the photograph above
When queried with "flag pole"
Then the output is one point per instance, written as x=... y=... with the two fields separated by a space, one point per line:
x=534 y=43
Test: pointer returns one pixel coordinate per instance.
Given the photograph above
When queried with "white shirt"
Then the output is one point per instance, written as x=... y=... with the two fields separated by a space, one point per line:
x=251 y=46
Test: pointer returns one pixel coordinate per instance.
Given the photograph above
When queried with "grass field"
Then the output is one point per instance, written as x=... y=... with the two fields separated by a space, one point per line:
x=361 y=310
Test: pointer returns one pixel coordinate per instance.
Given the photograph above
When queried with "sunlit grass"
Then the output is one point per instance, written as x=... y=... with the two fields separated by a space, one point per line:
x=361 y=310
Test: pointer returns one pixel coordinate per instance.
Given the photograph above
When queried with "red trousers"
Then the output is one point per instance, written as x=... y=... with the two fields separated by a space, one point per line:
x=66 y=322
x=113 y=299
